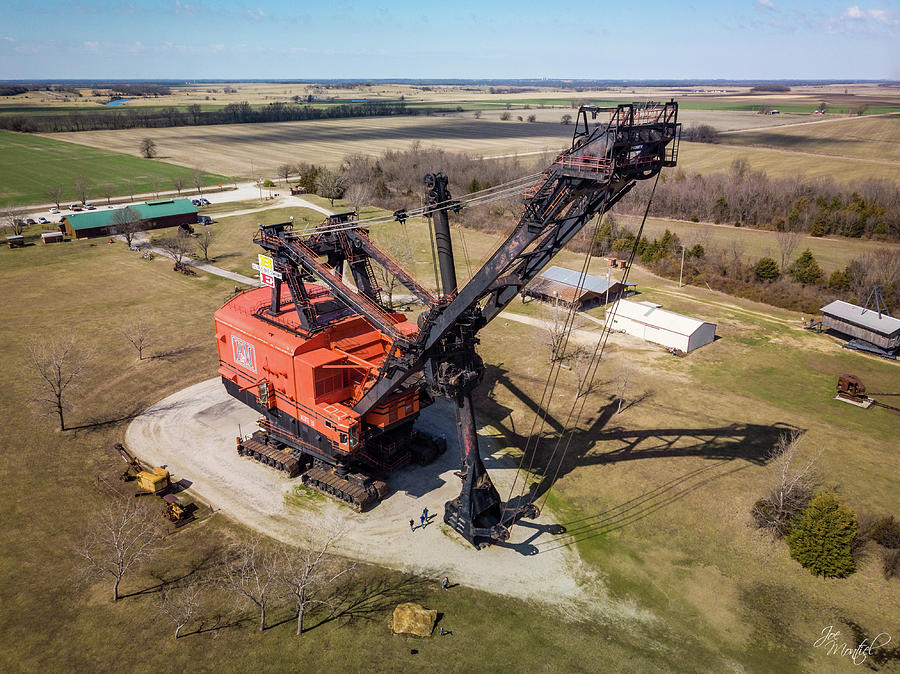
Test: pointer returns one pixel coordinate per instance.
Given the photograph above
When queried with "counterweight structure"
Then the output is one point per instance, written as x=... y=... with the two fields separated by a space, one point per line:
x=340 y=379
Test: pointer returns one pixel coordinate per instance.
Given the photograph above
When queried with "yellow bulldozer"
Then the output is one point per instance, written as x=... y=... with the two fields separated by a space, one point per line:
x=154 y=481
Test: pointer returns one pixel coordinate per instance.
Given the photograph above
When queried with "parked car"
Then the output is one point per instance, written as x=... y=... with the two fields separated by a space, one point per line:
x=43 y=221
x=30 y=221
x=54 y=210
x=196 y=202
x=205 y=201
x=90 y=207
x=204 y=220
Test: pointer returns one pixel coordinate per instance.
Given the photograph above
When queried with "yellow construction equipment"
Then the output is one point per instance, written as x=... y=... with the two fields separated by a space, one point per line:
x=153 y=481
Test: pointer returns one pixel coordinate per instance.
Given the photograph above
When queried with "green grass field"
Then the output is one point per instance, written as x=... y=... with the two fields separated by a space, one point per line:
x=30 y=164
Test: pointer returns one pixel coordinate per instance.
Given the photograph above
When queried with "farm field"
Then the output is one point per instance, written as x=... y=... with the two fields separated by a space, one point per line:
x=230 y=149
x=802 y=98
x=875 y=138
x=655 y=497
x=30 y=164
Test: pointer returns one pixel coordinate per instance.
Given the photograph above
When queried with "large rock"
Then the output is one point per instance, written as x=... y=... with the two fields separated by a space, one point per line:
x=411 y=618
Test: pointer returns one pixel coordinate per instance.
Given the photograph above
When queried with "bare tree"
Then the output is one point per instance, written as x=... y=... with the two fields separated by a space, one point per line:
x=477 y=114
x=106 y=189
x=181 y=602
x=787 y=244
x=138 y=333
x=177 y=247
x=204 y=241
x=13 y=220
x=557 y=328
x=56 y=193
x=403 y=250
x=251 y=575
x=358 y=194
x=57 y=367
x=130 y=187
x=148 y=148
x=306 y=572
x=80 y=186
x=285 y=170
x=122 y=535
x=330 y=184
x=566 y=119
x=154 y=185
x=791 y=489
x=197 y=180
x=127 y=222
x=178 y=184
x=621 y=386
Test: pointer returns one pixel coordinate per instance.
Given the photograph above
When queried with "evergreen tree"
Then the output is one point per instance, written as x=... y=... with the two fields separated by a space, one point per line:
x=822 y=537
x=805 y=269
x=767 y=269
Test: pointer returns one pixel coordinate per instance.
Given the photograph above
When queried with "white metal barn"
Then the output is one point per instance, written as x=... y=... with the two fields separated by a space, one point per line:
x=649 y=322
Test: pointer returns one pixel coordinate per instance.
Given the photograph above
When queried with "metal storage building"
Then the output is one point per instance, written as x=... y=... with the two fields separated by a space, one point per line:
x=560 y=284
x=649 y=322
x=153 y=215
x=870 y=326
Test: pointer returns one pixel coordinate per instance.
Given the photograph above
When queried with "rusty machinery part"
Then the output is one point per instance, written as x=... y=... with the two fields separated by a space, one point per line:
x=359 y=491
x=270 y=456
x=851 y=385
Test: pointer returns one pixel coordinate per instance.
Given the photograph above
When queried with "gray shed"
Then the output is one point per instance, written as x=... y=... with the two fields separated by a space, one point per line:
x=856 y=321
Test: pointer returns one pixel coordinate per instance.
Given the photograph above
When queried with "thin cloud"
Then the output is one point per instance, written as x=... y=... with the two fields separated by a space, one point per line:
x=767 y=4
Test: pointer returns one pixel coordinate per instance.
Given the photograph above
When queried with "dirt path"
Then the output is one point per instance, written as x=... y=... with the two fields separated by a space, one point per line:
x=193 y=432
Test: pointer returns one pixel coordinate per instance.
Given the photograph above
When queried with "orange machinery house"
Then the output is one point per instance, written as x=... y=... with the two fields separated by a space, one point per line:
x=306 y=386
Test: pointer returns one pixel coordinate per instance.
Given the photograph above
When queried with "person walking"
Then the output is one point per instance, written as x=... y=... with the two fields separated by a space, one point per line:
x=425 y=512
x=412 y=525
x=445 y=583
x=422 y=520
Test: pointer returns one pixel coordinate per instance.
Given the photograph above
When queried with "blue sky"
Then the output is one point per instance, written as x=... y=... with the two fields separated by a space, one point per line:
x=182 y=39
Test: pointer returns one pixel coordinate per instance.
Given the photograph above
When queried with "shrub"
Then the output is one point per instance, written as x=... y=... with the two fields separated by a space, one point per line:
x=505 y=117
x=767 y=269
x=839 y=280
x=890 y=562
x=805 y=269
x=885 y=531
x=822 y=537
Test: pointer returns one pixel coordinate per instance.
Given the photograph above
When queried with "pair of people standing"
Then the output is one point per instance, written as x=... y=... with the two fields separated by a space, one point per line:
x=423 y=520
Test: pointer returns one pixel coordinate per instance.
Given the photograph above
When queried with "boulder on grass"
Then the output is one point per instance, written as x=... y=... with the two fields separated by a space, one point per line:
x=411 y=618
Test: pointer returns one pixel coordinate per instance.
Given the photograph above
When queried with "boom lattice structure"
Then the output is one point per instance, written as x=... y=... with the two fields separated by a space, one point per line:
x=340 y=379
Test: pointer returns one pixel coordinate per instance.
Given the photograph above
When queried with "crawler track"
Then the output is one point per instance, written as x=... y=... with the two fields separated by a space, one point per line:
x=270 y=456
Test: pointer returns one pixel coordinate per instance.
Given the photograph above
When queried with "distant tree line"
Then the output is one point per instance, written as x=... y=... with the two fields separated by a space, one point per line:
x=194 y=115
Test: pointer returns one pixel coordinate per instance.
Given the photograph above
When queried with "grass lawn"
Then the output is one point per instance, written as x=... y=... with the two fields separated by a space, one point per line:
x=708 y=158
x=30 y=164
x=656 y=499
x=831 y=253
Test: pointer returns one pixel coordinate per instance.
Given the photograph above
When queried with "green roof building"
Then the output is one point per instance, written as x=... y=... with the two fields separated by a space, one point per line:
x=152 y=215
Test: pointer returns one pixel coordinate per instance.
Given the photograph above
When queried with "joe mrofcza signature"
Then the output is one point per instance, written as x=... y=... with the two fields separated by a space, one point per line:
x=830 y=642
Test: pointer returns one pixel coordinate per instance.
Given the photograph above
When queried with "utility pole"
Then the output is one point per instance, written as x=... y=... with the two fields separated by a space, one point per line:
x=681 y=273
x=606 y=304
